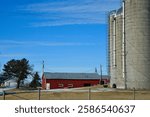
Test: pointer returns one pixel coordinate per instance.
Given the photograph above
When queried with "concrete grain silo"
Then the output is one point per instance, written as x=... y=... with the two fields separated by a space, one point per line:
x=112 y=47
x=137 y=39
x=129 y=51
x=115 y=40
x=119 y=26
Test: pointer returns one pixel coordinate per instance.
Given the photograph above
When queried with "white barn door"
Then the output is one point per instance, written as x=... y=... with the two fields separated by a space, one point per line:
x=48 y=85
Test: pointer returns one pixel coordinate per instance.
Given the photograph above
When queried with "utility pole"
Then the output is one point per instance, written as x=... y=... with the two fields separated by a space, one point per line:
x=43 y=68
x=95 y=70
x=101 y=72
x=43 y=74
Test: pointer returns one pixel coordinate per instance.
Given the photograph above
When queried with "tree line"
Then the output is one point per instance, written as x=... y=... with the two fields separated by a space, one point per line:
x=20 y=70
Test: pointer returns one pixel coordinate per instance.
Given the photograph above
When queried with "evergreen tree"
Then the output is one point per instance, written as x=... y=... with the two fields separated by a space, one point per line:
x=18 y=69
x=36 y=81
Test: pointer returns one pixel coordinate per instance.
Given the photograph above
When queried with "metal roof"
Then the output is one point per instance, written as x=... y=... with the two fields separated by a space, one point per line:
x=113 y=12
x=87 y=76
x=119 y=11
x=116 y=12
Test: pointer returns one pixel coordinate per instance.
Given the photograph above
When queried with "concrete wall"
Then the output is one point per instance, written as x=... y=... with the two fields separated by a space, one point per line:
x=137 y=29
x=120 y=80
x=112 y=42
x=115 y=40
x=137 y=46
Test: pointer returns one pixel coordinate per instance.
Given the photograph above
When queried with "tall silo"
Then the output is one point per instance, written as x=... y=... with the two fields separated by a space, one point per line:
x=112 y=47
x=119 y=30
x=115 y=41
x=137 y=36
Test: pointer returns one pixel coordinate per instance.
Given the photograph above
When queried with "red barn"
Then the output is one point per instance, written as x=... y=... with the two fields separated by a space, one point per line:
x=71 y=80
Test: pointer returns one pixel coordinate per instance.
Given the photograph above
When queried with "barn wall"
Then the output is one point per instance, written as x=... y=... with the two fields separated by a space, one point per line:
x=43 y=83
x=55 y=84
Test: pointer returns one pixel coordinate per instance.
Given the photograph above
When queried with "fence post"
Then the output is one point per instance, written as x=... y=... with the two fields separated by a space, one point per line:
x=133 y=93
x=89 y=94
x=39 y=92
x=3 y=95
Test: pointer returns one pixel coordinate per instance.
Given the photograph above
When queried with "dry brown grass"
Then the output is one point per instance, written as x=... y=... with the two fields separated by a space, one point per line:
x=110 y=95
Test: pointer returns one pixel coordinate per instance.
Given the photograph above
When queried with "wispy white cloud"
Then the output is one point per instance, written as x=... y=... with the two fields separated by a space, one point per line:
x=66 y=44
x=66 y=12
x=13 y=55
x=13 y=43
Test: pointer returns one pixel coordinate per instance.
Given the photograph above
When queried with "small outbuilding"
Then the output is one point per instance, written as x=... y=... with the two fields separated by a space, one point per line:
x=71 y=80
x=11 y=83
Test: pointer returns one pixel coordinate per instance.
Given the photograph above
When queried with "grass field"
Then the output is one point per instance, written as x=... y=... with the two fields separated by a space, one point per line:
x=97 y=93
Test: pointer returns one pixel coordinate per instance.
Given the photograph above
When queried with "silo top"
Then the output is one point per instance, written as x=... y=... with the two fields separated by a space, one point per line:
x=119 y=11
x=111 y=13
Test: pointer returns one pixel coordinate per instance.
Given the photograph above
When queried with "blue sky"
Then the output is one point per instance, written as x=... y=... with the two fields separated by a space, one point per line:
x=69 y=35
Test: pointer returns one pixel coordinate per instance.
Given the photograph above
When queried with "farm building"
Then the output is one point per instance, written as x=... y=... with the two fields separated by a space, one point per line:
x=71 y=80
x=11 y=83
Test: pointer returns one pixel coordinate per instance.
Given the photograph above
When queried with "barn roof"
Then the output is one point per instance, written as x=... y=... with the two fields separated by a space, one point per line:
x=11 y=79
x=90 y=76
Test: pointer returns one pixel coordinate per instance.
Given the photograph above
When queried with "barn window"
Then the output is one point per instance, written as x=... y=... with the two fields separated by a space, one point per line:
x=70 y=85
x=60 y=85
x=87 y=84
